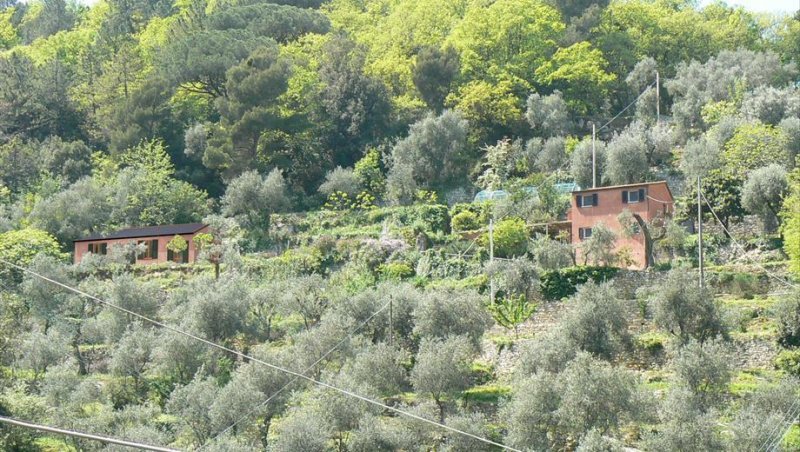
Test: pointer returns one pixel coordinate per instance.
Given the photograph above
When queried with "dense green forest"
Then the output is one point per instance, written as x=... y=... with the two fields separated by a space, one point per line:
x=335 y=147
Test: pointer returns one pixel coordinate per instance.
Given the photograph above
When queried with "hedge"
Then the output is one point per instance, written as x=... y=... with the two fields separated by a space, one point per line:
x=558 y=284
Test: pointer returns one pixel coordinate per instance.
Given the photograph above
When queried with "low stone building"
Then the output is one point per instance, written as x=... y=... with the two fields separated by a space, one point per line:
x=154 y=239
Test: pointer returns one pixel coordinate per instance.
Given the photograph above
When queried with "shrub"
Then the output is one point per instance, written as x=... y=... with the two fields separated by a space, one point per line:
x=340 y=180
x=510 y=238
x=789 y=362
x=464 y=221
x=788 y=317
x=395 y=270
x=559 y=284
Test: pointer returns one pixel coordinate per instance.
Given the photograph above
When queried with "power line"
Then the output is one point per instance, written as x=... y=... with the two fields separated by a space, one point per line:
x=102 y=439
x=282 y=388
x=257 y=360
x=770 y=274
x=627 y=107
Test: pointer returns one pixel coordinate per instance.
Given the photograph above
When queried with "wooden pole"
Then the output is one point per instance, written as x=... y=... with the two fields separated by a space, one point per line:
x=700 y=233
x=594 y=157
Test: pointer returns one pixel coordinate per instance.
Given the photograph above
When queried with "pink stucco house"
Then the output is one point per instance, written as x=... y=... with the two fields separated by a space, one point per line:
x=647 y=200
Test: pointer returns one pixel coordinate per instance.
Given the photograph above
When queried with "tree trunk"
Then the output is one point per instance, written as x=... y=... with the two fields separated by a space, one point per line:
x=264 y=431
x=648 y=242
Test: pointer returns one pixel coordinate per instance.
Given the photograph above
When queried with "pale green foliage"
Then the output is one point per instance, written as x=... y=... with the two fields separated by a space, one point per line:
x=684 y=426
x=302 y=429
x=699 y=157
x=341 y=180
x=442 y=368
x=79 y=210
x=599 y=248
x=704 y=369
x=133 y=353
x=518 y=276
x=755 y=423
x=44 y=299
x=548 y=114
x=594 y=441
x=553 y=155
x=763 y=193
x=627 y=157
x=38 y=351
x=551 y=254
x=685 y=310
x=597 y=325
x=429 y=157
x=190 y=404
x=771 y=105
x=474 y=423
x=378 y=367
x=252 y=198
x=305 y=296
x=546 y=410
x=581 y=163
x=440 y=314
x=128 y=293
x=696 y=84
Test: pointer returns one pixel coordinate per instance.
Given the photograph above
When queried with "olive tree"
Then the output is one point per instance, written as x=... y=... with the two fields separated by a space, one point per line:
x=581 y=163
x=252 y=199
x=548 y=115
x=684 y=426
x=190 y=405
x=302 y=429
x=763 y=194
x=440 y=314
x=431 y=156
x=340 y=180
x=685 y=310
x=627 y=161
x=599 y=247
x=704 y=369
x=442 y=368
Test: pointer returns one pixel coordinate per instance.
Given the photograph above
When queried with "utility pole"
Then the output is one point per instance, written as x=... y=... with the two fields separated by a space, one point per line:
x=391 y=321
x=658 y=98
x=594 y=156
x=491 y=257
x=700 y=233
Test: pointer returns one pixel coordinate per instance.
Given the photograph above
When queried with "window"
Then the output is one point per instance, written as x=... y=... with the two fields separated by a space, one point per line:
x=586 y=200
x=180 y=258
x=584 y=233
x=634 y=196
x=151 y=249
x=98 y=248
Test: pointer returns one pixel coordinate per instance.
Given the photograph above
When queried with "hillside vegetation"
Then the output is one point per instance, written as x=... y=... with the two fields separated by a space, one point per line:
x=335 y=148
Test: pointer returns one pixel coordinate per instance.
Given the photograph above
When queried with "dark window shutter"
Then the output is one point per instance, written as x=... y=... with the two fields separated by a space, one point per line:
x=594 y=199
x=641 y=195
x=104 y=248
x=143 y=254
x=154 y=249
x=624 y=197
x=185 y=255
x=170 y=255
x=578 y=199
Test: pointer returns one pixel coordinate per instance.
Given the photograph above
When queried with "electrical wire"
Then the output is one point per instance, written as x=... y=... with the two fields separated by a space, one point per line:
x=257 y=360
x=627 y=107
x=282 y=388
x=102 y=439
x=770 y=274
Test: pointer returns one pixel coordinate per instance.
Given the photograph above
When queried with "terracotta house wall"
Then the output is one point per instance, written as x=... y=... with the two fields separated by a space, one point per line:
x=658 y=201
x=82 y=247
